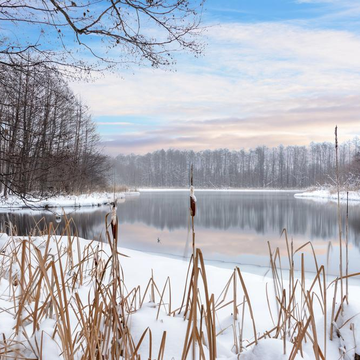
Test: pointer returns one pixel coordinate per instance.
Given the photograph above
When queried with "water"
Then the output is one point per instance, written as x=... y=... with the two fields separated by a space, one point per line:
x=232 y=227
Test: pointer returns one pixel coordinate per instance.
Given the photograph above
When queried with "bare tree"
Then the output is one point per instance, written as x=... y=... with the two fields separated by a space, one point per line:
x=91 y=34
x=47 y=139
x=289 y=167
x=48 y=142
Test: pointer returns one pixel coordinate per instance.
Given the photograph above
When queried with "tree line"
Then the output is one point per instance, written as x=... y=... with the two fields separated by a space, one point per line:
x=48 y=141
x=279 y=167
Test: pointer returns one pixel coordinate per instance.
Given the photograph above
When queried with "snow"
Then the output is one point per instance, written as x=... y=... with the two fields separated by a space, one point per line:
x=270 y=349
x=323 y=195
x=138 y=267
x=3 y=239
x=62 y=201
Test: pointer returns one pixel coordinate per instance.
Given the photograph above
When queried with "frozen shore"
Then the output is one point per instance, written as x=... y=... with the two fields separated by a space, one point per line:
x=81 y=261
x=329 y=195
x=62 y=201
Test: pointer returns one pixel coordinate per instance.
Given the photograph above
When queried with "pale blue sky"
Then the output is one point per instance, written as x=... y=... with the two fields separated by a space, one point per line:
x=273 y=71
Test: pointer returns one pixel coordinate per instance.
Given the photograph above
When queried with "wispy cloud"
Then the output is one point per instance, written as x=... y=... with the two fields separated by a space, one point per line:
x=263 y=83
x=297 y=126
x=110 y=123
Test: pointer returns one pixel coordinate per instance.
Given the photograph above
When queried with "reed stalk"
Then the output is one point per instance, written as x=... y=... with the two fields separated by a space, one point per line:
x=347 y=248
x=339 y=212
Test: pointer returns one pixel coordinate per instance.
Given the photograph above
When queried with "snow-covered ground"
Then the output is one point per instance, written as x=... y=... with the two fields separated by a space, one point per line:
x=83 y=200
x=329 y=195
x=138 y=268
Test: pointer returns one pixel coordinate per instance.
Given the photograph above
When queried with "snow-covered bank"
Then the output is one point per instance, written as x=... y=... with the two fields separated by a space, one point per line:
x=62 y=201
x=54 y=303
x=329 y=195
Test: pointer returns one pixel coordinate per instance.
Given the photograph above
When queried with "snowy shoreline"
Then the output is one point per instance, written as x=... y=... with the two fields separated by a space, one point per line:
x=63 y=201
x=153 y=312
x=322 y=195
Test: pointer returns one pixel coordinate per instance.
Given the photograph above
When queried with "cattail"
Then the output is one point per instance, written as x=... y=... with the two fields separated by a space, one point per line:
x=113 y=220
x=192 y=201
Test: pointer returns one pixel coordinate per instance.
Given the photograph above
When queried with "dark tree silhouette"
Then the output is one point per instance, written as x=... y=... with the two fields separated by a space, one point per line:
x=48 y=142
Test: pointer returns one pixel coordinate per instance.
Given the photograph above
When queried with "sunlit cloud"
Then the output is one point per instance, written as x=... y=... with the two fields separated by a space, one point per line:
x=297 y=126
x=257 y=84
x=113 y=123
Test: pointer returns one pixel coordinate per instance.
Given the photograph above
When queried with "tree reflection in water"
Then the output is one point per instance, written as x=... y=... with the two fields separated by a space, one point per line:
x=228 y=215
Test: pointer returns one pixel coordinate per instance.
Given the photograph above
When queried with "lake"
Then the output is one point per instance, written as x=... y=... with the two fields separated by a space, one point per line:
x=231 y=226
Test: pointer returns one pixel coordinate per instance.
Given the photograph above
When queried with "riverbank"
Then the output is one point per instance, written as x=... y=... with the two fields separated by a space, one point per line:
x=64 y=201
x=329 y=194
x=53 y=300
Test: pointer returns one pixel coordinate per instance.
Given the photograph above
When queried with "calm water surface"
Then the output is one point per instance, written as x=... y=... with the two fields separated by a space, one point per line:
x=233 y=227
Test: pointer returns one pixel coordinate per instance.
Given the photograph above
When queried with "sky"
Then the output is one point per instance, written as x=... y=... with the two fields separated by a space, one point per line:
x=272 y=72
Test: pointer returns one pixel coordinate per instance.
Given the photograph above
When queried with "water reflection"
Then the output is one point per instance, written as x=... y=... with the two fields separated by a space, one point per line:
x=262 y=212
x=230 y=226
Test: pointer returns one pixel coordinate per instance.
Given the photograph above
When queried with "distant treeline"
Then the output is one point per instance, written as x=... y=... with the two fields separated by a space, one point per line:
x=48 y=142
x=281 y=167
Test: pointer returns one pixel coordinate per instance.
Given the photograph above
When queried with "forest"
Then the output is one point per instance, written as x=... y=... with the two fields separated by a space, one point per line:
x=49 y=145
x=48 y=141
x=276 y=168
